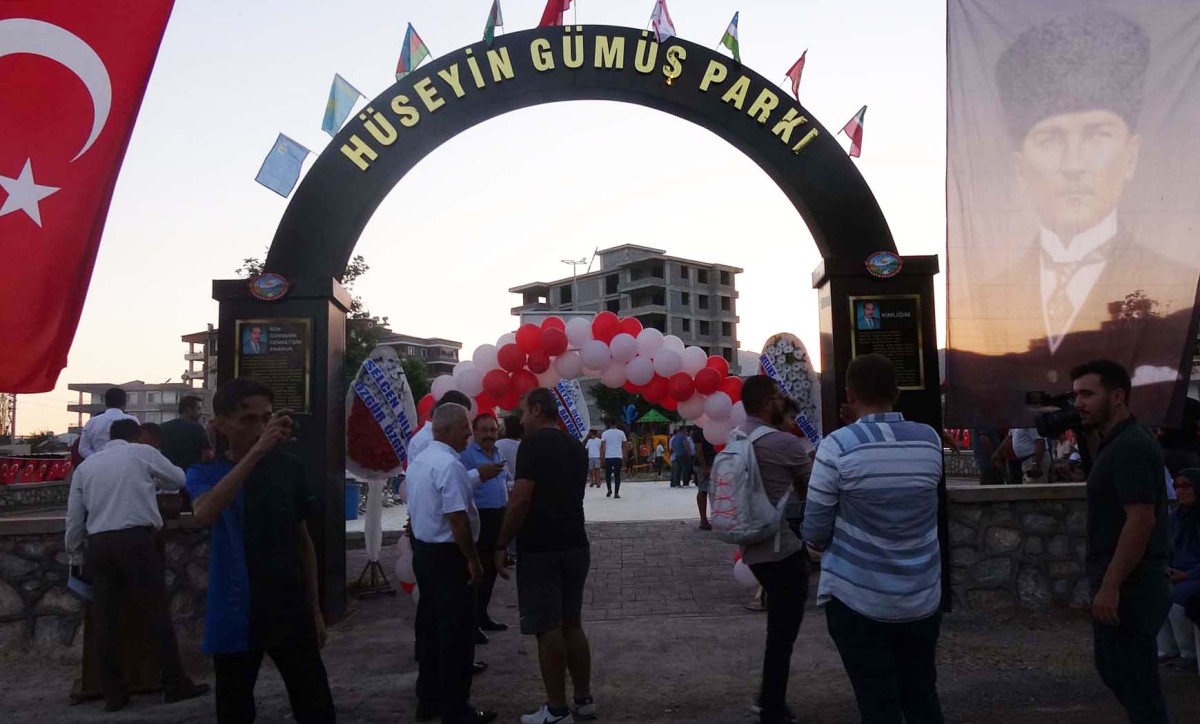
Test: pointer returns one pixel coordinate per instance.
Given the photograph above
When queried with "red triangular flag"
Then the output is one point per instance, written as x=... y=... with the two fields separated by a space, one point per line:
x=794 y=73
x=854 y=129
x=553 y=14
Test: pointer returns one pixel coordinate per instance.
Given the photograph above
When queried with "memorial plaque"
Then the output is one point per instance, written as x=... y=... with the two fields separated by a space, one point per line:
x=890 y=325
x=278 y=353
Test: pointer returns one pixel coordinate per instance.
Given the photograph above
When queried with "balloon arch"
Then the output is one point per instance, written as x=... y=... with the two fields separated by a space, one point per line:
x=619 y=351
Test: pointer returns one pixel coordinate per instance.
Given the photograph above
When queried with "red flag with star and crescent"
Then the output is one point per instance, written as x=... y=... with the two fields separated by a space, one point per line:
x=72 y=77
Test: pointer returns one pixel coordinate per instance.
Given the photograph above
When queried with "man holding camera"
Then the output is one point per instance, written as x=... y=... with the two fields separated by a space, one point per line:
x=1127 y=540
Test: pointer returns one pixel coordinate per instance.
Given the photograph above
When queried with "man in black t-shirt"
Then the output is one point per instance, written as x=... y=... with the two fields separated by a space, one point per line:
x=545 y=513
x=184 y=440
x=1127 y=541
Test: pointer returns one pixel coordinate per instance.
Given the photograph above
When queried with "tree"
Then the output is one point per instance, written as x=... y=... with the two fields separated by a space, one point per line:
x=38 y=438
x=417 y=373
x=612 y=403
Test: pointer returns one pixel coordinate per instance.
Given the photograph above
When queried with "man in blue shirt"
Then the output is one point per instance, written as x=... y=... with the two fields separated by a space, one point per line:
x=681 y=458
x=262 y=573
x=491 y=498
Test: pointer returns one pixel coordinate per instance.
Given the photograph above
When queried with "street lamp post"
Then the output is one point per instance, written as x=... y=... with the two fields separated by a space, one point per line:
x=575 y=264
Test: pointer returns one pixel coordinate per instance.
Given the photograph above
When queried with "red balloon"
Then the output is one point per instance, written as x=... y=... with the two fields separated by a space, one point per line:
x=538 y=362
x=529 y=338
x=718 y=448
x=425 y=406
x=523 y=381
x=631 y=326
x=554 y=323
x=510 y=401
x=655 y=391
x=632 y=388
x=708 y=381
x=681 y=387
x=554 y=341
x=408 y=587
x=511 y=358
x=485 y=402
x=497 y=383
x=719 y=364
x=732 y=386
x=605 y=326
x=669 y=404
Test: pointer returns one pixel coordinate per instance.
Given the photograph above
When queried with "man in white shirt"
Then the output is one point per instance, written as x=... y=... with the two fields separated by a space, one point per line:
x=95 y=433
x=1028 y=451
x=445 y=526
x=112 y=498
x=421 y=440
x=612 y=448
x=593 y=446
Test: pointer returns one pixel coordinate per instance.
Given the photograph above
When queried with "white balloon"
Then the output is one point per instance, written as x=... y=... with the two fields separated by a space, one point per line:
x=737 y=417
x=701 y=421
x=667 y=362
x=694 y=360
x=416 y=595
x=404 y=570
x=569 y=365
x=718 y=406
x=463 y=366
x=549 y=378
x=640 y=370
x=509 y=338
x=595 y=354
x=624 y=347
x=579 y=331
x=485 y=358
x=404 y=545
x=743 y=575
x=613 y=375
x=402 y=494
x=649 y=340
x=470 y=382
x=692 y=408
x=441 y=385
x=717 y=431
x=673 y=343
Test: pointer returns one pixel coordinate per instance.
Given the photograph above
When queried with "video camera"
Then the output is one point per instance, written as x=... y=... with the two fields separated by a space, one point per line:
x=1057 y=415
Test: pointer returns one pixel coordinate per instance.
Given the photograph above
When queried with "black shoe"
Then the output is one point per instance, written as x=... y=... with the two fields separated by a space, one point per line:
x=478 y=668
x=480 y=637
x=116 y=703
x=608 y=494
x=479 y=716
x=428 y=712
x=490 y=625
x=618 y=495
x=183 y=692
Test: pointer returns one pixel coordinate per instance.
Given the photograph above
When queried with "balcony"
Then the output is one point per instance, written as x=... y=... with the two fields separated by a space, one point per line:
x=195 y=357
x=639 y=308
x=650 y=282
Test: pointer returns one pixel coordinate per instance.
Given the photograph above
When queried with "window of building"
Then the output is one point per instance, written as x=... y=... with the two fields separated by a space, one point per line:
x=704 y=328
x=683 y=272
x=685 y=299
x=132 y=398
x=727 y=353
x=726 y=329
x=702 y=300
x=154 y=416
x=170 y=397
x=702 y=276
x=685 y=324
x=611 y=282
x=564 y=295
x=613 y=305
x=153 y=398
x=726 y=278
x=726 y=304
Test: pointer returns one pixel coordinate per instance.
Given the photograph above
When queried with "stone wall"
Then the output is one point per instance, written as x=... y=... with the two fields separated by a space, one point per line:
x=37 y=609
x=1019 y=546
x=34 y=496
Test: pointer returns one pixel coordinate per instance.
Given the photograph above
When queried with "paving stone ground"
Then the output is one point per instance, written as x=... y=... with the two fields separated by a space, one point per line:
x=672 y=643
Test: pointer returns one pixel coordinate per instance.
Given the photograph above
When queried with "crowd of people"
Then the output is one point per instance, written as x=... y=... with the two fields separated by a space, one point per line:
x=482 y=500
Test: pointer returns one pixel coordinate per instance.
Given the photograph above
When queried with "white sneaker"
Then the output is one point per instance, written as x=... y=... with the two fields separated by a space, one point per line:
x=543 y=716
x=585 y=711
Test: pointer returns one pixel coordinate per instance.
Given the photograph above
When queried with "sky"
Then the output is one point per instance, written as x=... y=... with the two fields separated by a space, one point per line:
x=231 y=75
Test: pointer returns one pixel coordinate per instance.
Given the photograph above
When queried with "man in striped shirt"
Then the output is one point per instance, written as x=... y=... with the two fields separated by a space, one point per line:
x=872 y=508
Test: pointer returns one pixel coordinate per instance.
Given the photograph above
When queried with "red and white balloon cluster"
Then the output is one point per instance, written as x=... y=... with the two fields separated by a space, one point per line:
x=620 y=352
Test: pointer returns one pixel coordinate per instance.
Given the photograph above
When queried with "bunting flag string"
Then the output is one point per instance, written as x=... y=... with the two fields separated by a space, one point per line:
x=854 y=129
x=730 y=39
x=342 y=97
x=412 y=53
x=281 y=168
x=794 y=74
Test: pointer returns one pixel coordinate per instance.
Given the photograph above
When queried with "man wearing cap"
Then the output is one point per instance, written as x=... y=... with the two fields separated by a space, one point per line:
x=1071 y=91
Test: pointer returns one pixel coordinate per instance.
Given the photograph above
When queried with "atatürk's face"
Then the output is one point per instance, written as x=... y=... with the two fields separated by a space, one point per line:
x=1075 y=167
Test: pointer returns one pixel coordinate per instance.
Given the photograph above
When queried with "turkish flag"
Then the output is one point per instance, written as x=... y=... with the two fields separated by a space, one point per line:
x=72 y=76
x=553 y=14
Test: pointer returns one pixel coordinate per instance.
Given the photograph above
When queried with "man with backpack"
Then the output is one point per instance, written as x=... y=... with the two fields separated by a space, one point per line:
x=872 y=508
x=752 y=481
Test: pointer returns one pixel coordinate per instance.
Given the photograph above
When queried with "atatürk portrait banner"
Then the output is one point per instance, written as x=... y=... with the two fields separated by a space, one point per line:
x=1073 y=200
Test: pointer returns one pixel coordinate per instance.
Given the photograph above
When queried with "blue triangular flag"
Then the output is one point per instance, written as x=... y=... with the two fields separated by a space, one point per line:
x=342 y=96
x=281 y=167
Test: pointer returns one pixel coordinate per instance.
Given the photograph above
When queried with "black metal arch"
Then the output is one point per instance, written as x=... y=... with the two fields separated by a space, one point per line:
x=322 y=223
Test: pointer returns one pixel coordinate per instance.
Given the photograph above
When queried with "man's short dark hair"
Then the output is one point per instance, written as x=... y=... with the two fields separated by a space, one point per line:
x=756 y=391
x=455 y=397
x=872 y=379
x=125 y=429
x=543 y=399
x=481 y=417
x=230 y=396
x=115 y=397
x=189 y=402
x=1112 y=375
x=513 y=429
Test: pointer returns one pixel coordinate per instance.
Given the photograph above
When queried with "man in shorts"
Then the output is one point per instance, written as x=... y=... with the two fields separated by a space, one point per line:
x=593 y=450
x=545 y=513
